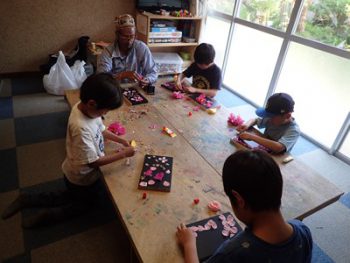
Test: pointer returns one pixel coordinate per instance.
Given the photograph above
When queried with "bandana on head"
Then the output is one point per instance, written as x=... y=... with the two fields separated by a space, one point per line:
x=124 y=21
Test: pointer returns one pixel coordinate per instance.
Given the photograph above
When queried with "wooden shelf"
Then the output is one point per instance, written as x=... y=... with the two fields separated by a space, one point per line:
x=160 y=17
x=181 y=44
x=144 y=23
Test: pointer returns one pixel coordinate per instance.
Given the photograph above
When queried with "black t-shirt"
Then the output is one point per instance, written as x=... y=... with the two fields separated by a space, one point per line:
x=209 y=78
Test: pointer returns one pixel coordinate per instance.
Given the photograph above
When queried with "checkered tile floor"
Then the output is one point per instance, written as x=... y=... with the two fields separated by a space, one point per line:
x=32 y=148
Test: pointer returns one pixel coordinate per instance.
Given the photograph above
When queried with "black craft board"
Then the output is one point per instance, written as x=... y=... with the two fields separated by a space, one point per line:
x=170 y=86
x=194 y=96
x=209 y=241
x=131 y=94
x=156 y=162
x=251 y=145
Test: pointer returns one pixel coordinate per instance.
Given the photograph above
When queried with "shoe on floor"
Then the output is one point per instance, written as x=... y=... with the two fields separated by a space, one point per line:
x=41 y=218
x=19 y=203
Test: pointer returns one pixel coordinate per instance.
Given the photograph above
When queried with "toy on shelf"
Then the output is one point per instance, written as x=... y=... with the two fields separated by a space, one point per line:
x=181 y=13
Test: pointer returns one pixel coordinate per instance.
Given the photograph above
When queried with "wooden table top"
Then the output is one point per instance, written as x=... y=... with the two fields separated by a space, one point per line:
x=199 y=150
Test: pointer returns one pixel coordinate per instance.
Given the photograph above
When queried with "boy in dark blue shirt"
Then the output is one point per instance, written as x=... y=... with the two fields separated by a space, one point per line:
x=253 y=182
x=206 y=75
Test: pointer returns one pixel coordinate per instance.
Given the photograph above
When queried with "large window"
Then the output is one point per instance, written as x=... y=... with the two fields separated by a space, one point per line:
x=251 y=62
x=345 y=148
x=296 y=46
x=270 y=13
x=216 y=33
x=327 y=21
x=321 y=90
x=223 y=6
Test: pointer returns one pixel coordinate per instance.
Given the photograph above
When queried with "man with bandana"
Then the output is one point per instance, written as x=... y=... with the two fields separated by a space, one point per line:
x=128 y=58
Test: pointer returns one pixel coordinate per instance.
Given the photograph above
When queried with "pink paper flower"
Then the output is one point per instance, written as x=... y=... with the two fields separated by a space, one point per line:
x=148 y=172
x=235 y=120
x=178 y=95
x=117 y=128
x=159 y=176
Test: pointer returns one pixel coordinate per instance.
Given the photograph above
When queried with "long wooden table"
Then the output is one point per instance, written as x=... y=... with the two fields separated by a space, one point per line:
x=199 y=150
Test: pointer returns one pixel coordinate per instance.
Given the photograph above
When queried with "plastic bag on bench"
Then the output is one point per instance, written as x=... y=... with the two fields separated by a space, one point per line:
x=60 y=77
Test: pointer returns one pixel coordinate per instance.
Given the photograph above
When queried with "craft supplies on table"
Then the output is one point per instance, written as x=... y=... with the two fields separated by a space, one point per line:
x=134 y=97
x=156 y=173
x=204 y=101
x=212 y=232
x=169 y=132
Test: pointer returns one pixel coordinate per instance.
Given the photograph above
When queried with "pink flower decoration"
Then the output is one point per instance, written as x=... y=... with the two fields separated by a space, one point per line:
x=178 y=95
x=235 y=120
x=148 y=172
x=117 y=128
x=201 y=99
x=159 y=176
x=214 y=206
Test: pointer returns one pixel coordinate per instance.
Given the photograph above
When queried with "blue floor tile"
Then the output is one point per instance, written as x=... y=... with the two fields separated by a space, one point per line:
x=228 y=99
x=8 y=168
x=39 y=128
x=27 y=85
x=6 y=109
x=303 y=146
x=345 y=199
x=319 y=256
x=101 y=213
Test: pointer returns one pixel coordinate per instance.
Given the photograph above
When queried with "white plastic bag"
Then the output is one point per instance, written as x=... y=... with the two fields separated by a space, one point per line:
x=60 y=77
x=79 y=72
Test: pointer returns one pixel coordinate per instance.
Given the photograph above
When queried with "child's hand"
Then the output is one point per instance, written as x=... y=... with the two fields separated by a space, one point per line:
x=185 y=236
x=144 y=82
x=246 y=136
x=124 y=142
x=178 y=84
x=243 y=127
x=128 y=151
x=190 y=89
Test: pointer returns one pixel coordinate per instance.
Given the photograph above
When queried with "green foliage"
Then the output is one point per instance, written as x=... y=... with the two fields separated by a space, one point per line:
x=323 y=34
x=330 y=22
x=327 y=21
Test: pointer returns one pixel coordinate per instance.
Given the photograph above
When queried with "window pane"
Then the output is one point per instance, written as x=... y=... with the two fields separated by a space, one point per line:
x=223 y=6
x=345 y=148
x=319 y=84
x=270 y=13
x=327 y=21
x=216 y=33
x=251 y=62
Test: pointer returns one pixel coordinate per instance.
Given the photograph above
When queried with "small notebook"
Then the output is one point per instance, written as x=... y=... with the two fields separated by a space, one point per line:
x=208 y=238
x=133 y=96
x=204 y=101
x=156 y=173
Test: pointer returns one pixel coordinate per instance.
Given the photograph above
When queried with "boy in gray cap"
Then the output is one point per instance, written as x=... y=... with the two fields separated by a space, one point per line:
x=281 y=131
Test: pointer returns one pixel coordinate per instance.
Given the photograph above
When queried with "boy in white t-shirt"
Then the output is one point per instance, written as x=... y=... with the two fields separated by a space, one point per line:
x=85 y=154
